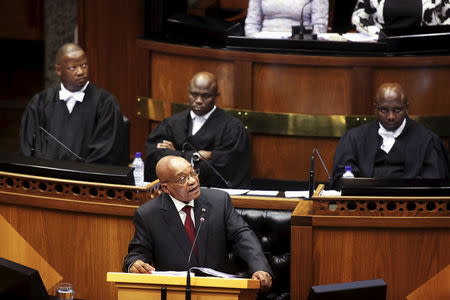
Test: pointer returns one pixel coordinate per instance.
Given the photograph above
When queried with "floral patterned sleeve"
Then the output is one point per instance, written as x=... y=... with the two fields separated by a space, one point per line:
x=445 y=12
x=362 y=16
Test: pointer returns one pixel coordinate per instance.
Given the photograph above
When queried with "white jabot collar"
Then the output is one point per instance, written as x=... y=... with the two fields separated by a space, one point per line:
x=390 y=136
x=65 y=94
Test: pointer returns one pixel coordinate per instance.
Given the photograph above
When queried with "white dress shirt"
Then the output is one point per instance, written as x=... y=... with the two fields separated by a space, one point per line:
x=179 y=206
x=390 y=136
x=198 y=121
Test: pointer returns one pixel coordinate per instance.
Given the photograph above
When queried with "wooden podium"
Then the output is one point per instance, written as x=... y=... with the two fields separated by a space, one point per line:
x=335 y=239
x=147 y=287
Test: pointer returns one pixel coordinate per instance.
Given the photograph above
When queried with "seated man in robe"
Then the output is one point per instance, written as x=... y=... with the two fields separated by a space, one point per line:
x=203 y=134
x=74 y=120
x=393 y=146
x=165 y=228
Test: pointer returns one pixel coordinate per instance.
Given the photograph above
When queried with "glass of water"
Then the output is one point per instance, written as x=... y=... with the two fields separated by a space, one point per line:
x=65 y=291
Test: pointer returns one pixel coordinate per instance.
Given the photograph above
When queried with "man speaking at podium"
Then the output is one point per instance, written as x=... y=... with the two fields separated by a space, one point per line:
x=393 y=146
x=74 y=120
x=165 y=228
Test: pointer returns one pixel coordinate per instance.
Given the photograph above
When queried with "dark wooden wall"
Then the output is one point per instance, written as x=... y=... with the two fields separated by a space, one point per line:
x=108 y=30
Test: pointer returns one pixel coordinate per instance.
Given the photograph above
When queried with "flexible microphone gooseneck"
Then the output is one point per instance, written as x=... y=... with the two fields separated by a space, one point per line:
x=300 y=32
x=61 y=144
x=188 y=275
x=227 y=183
x=311 y=176
x=312 y=171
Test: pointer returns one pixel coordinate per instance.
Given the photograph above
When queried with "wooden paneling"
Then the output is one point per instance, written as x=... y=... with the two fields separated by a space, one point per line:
x=108 y=31
x=405 y=252
x=302 y=89
x=171 y=76
x=289 y=83
x=403 y=258
x=80 y=247
x=425 y=87
x=289 y=157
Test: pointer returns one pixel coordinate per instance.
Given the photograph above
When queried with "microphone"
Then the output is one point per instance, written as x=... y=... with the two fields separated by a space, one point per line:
x=302 y=32
x=61 y=144
x=227 y=183
x=312 y=171
x=311 y=176
x=188 y=275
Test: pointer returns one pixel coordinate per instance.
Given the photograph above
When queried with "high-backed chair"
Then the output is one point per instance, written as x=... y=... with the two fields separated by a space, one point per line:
x=273 y=228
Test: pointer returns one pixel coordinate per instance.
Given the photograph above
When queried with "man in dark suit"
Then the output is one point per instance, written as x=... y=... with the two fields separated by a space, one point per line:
x=82 y=116
x=161 y=241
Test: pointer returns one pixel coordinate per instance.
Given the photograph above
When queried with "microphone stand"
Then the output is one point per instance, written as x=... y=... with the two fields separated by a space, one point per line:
x=188 y=275
x=312 y=171
x=301 y=32
x=227 y=183
x=311 y=177
x=61 y=144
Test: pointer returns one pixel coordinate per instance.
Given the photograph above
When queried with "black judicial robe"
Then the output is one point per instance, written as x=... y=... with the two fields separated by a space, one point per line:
x=424 y=157
x=92 y=131
x=222 y=134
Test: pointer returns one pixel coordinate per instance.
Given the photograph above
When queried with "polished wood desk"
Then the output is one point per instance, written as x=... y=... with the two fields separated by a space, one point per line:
x=341 y=239
x=148 y=287
x=82 y=229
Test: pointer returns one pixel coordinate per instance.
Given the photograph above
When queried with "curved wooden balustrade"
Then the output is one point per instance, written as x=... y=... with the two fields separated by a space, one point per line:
x=380 y=206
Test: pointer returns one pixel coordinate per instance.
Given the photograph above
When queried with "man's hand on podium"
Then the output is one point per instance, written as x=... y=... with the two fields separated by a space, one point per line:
x=141 y=267
x=265 y=278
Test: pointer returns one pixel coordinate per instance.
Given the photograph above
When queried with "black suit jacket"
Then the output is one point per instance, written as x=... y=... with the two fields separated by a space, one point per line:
x=161 y=240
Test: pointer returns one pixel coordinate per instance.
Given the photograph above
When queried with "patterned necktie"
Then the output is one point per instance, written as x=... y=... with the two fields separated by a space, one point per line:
x=188 y=224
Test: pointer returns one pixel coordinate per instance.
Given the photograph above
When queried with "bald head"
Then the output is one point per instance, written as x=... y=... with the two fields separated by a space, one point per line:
x=390 y=105
x=168 y=167
x=68 y=49
x=178 y=178
x=203 y=91
x=204 y=80
x=389 y=91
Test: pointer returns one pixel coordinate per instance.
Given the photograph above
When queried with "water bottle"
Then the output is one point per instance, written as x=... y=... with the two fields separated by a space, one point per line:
x=348 y=172
x=138 y=173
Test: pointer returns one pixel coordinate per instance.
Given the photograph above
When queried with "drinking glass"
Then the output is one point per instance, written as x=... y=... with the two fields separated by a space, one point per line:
x=65 y=291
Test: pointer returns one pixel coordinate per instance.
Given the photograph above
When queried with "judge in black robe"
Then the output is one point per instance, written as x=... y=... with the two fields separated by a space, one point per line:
x=223 y=136
x=416 y=153
x=92 y=130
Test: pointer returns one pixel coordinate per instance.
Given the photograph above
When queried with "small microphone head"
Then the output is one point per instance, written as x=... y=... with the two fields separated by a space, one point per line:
x=202 y=217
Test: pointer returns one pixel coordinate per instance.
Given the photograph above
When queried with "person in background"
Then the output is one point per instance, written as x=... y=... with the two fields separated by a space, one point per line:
x=83 y=117
x=265 y=16
x=165 y=228
x=393 y=146
x=371 y=16
x=220 y=139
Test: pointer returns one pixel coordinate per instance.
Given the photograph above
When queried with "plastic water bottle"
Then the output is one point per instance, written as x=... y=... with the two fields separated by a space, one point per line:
x=348 y=172
x=138 y=173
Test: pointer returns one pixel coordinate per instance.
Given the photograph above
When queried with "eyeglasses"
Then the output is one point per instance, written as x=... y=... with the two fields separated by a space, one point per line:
x=203 y=96
x=184 y=178
x=395 y=110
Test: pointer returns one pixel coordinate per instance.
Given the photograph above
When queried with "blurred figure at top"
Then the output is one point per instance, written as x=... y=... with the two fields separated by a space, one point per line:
x=267 y=16
x=369 y=16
